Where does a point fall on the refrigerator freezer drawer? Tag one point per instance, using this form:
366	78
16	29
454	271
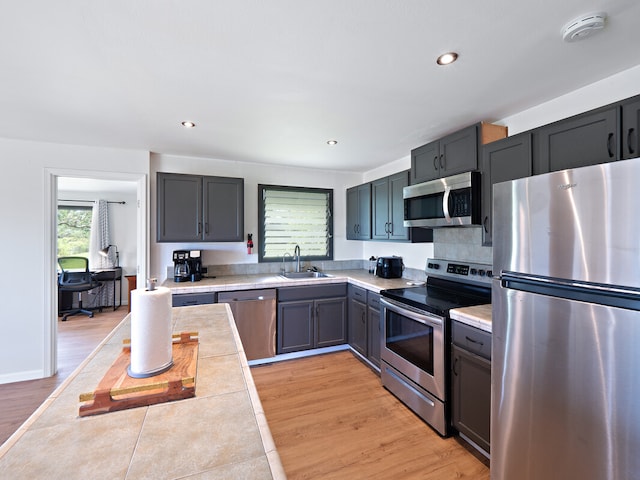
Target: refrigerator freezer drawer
566	405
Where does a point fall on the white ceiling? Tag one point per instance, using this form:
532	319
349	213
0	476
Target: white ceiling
272	81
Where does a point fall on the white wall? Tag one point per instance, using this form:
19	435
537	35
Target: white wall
612	89
253	174
26	313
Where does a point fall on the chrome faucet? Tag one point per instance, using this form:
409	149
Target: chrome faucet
296	254
284	270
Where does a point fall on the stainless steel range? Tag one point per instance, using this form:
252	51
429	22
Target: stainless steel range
416	335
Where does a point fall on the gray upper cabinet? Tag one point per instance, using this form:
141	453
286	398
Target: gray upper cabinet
502	160
179	208
630	128
455	153
359	212
224	209
425	162
587	139
194	208
387	207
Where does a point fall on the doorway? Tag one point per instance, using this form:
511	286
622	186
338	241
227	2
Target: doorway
129	231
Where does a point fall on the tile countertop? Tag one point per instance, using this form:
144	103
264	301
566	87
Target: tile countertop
478	316
361	278
220	433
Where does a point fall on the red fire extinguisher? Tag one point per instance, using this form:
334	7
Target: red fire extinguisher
249	242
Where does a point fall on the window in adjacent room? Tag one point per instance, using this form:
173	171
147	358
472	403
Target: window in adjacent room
74	230
290	216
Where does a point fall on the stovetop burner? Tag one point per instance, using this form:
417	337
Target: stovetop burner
449	285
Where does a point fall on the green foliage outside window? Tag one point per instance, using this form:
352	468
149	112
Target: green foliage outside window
74	229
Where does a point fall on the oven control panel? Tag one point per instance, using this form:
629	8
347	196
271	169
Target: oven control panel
462	271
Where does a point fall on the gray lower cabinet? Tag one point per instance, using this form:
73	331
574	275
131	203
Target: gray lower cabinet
374	328
364	323
188	299
358	319
195	208
311	317
471	383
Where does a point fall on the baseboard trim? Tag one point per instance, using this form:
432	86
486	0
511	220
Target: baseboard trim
293	355
22	376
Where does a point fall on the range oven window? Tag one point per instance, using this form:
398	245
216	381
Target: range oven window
411	340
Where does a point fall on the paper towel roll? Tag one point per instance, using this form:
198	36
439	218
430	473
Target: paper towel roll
151	343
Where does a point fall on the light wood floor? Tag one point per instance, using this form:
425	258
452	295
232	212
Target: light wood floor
331	419
77	338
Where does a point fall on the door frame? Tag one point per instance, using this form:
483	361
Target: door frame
50	289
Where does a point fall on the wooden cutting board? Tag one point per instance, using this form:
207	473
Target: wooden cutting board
118	391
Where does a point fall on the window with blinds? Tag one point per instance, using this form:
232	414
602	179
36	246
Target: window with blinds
290	216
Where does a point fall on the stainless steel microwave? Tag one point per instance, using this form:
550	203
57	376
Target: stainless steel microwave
445	202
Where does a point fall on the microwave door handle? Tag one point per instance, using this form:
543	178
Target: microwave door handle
445	204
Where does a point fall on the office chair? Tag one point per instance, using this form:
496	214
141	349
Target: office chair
76	277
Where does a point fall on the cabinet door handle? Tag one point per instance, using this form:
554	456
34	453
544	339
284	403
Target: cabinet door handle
206	227
442	162
485	223
455	363
630	140
363	319
435	163
473	341
390	232
609	145
199	229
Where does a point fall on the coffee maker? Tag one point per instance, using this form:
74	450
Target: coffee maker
195	265
181	267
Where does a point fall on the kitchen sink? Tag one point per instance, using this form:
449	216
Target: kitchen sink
291	275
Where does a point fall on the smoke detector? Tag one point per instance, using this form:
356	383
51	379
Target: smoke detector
583	26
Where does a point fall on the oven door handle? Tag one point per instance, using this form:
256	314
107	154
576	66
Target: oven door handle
425	319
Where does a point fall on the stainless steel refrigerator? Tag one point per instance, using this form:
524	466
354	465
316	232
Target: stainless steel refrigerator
566	325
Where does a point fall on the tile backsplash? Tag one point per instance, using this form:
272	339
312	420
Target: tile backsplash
461	243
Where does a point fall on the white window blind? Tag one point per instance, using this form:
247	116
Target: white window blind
293	216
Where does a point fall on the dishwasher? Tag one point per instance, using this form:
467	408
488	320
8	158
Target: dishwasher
254	312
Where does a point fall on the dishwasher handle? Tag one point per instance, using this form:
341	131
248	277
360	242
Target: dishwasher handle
240	296
239	300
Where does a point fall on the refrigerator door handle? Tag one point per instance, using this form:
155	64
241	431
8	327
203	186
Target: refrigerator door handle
610	295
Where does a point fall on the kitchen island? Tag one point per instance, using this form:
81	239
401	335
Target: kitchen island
220	433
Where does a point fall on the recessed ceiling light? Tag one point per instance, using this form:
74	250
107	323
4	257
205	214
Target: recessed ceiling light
188	124
331	142
447	58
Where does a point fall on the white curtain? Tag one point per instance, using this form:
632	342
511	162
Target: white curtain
99	240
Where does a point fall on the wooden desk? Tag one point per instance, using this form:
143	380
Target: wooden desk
111	275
